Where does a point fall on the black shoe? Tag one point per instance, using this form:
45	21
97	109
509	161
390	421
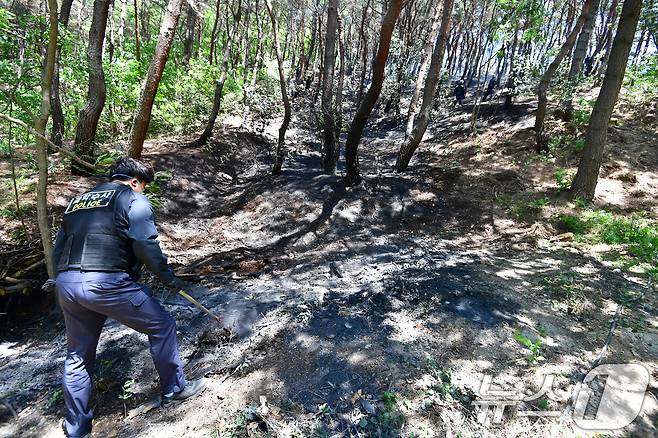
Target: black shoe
192	389
66	434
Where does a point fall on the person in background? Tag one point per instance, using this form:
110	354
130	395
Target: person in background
460	92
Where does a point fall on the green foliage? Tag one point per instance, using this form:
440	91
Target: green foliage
641	78
56	397
571	223
535	347
105	159
567	293
563	179
539	204
637	233
582	113
390	401
544	404
640	234
126	390
153	191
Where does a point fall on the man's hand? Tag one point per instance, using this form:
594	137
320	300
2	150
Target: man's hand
49	286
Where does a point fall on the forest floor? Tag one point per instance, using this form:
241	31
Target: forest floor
375	310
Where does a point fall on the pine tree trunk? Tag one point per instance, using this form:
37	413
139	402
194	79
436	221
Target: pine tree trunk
145	105
422	74
190	25
433	75
278	163
364	53
352	176
138	49
42	151
328	114
584	184
219	85
58	127
608	39
540	138
213	34
85	132
338	101
511	80
580	50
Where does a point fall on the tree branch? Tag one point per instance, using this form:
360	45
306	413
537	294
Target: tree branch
31	130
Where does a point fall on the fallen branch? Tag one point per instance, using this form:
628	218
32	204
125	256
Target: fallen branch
17	288
31	130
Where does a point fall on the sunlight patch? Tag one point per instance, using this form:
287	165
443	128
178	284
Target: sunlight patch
351	212
508	274
405	328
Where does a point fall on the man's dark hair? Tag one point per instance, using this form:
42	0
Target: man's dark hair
125	168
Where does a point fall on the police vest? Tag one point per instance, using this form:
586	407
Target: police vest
93	242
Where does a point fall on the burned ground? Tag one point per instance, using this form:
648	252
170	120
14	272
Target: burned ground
366	311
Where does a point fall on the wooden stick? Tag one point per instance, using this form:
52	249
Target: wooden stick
199	305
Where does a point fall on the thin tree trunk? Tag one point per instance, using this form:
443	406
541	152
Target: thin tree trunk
338	103
138	50
85	132
42	150
254	71
422	74
352	176
122	22
584	184
364	53
541	140
190	25
219	84
580	50
213	35
145	106
58	126
278	163
511	79
608	44
311	46
420	126
329	116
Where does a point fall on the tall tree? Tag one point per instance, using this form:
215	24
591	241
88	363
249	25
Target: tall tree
145	106
420	125
138	47
331	149
584	184
85	132
352	176
42	151
278	162
58	127
542	90
580	51
219	84
422	74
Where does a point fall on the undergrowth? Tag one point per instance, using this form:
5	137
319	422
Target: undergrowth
638	234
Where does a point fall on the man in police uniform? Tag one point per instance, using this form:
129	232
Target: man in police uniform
107	235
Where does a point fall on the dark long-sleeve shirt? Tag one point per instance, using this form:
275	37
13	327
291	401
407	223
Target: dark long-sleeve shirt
135	221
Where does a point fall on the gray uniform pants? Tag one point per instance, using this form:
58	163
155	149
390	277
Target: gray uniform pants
87	299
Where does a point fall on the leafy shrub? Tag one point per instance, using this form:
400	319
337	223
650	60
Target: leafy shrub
563	179
637	232
571	223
